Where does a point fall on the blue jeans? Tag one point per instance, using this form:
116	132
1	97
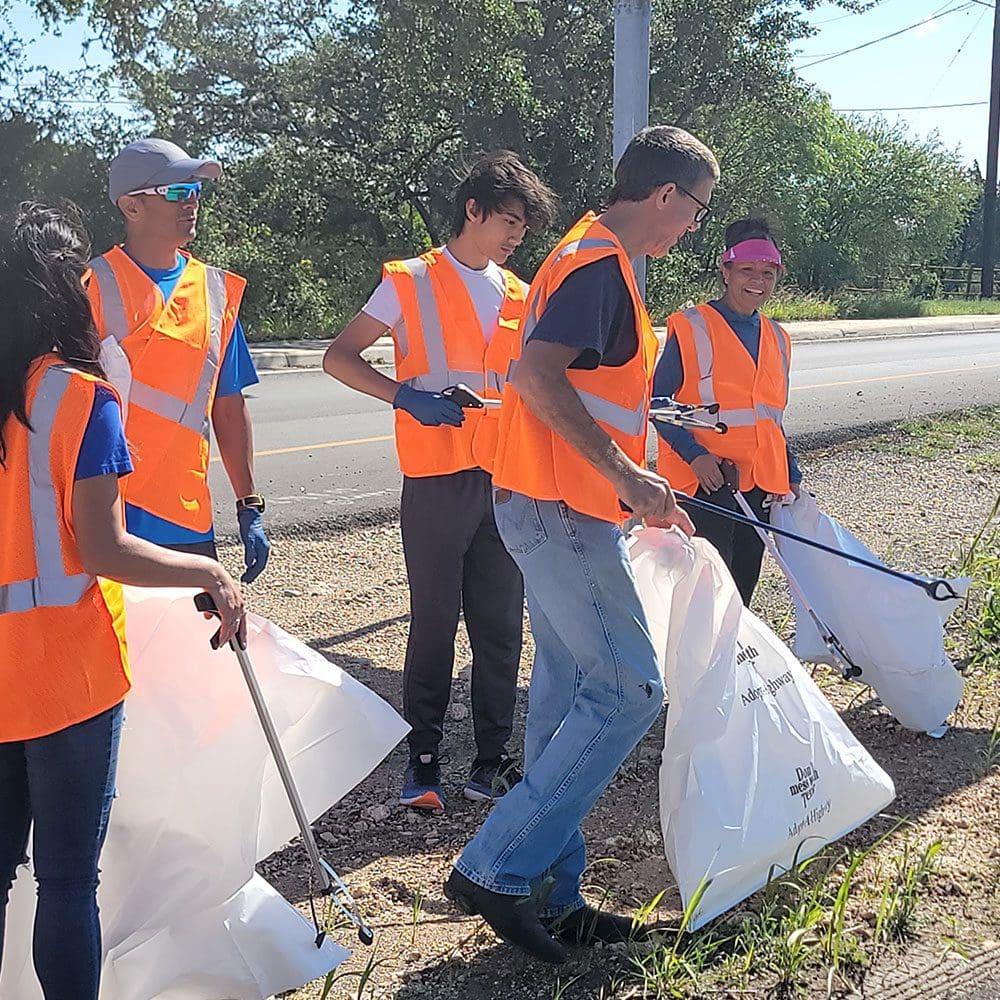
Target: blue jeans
595	691
65	784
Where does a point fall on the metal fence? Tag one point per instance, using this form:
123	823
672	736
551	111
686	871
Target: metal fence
960	281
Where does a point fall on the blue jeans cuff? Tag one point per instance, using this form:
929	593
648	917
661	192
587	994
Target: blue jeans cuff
552	912
483	883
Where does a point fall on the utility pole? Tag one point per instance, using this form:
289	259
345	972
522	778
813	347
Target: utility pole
631	87
992	149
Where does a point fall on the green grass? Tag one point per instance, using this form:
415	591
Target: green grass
932	437
802	927
790	304
988	461
981	561
811	305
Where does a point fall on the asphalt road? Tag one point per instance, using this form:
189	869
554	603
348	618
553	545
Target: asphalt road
324	450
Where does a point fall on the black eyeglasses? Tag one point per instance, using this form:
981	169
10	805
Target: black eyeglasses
702	214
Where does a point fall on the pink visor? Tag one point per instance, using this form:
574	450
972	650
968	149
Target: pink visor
754	250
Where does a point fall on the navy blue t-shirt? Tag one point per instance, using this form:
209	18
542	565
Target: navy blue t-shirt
592	312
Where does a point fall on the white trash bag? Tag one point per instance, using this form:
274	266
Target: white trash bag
892	630
200	801
758	769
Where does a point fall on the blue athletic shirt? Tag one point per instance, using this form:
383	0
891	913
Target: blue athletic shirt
103	450
236	373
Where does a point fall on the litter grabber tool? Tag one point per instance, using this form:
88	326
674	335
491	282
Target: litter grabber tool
330	882
666	411
937	589
469	399
840	655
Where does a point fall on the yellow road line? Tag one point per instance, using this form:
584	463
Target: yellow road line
317	447
795	388
893	378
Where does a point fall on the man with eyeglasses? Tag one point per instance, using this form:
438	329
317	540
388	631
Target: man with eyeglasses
570	461
172	343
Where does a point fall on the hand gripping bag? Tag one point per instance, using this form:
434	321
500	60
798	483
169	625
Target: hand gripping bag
758	769
891	629
184	914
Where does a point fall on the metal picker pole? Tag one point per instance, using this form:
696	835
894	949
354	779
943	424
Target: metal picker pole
281	762
631	86
330	882
847	666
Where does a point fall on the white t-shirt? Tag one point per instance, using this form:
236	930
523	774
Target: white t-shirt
486	288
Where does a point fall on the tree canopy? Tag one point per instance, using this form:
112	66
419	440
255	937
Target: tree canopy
344	126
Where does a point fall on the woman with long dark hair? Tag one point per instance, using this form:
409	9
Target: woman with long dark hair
63	658
728	352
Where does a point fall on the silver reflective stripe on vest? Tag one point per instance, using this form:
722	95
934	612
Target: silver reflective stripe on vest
705	353
774	413
588	243
51	588
194	415
631	422
430	318
733	418
436	381
783	347
112	305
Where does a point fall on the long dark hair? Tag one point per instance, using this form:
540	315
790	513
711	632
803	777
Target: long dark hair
43	260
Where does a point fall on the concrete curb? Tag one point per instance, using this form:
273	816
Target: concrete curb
278	355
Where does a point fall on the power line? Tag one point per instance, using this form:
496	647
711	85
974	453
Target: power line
958	52
918	107
894	34
850	13
855	13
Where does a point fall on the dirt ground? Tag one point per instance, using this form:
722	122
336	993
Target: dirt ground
345	593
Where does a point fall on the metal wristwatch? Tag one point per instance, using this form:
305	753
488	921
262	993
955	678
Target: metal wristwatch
255	501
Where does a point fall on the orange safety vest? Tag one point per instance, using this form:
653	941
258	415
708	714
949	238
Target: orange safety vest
62	631
533	459
439	342
752	399
174	350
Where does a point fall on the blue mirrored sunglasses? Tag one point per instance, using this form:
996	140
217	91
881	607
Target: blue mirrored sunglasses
174	192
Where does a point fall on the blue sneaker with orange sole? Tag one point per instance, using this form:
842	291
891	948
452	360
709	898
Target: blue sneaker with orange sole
422	784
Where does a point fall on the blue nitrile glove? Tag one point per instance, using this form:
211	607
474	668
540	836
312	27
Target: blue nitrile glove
256	547
430	408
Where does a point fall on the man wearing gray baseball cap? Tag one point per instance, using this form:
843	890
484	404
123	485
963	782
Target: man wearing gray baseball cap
149	163
173	345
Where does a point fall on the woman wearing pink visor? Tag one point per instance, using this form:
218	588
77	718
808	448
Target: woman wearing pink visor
726	352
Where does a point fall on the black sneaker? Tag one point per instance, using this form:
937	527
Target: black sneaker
492	779
422	784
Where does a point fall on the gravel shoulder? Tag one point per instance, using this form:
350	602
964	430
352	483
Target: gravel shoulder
344	592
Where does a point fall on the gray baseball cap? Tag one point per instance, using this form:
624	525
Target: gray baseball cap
153	163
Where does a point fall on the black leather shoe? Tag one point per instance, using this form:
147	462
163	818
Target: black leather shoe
512	918
587	925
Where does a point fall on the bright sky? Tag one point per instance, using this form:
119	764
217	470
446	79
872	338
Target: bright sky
944	60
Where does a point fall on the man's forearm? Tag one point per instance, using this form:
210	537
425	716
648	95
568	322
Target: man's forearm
234	435
551	397
351	369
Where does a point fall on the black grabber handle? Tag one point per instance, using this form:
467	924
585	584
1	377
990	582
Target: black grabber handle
205	603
